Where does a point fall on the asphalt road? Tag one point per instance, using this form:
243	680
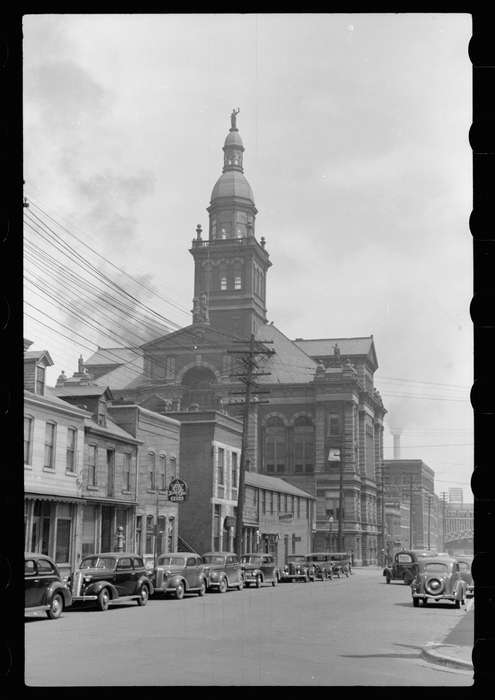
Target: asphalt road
354	631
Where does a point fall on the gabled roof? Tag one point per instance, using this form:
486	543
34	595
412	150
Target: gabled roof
51	400
272	483
82	390
111	429
289	364
123	377
194	334
324	347
39	355
112	356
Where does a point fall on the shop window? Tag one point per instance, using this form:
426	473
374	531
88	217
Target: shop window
71	449
50	431
171	534
62	550
88	530
28	438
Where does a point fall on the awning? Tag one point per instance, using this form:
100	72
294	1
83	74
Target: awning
53	497
109	501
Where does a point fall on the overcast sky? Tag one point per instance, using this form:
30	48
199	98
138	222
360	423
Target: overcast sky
355	129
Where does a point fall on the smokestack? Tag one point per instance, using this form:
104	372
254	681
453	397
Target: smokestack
396	445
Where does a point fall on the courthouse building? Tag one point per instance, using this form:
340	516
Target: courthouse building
324	416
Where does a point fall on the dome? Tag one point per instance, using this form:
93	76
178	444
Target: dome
233	138
232	183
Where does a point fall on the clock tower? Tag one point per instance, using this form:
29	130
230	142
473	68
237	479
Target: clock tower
231	265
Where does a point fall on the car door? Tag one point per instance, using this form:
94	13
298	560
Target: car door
191	572
125	576
267	567
233	570
47	574
31	583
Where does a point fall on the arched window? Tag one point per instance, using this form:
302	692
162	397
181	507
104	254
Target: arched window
304	445
275	446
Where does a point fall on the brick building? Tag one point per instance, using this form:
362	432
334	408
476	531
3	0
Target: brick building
324	417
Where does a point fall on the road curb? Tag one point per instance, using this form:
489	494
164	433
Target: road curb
439	653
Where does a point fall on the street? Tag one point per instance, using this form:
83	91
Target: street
349	631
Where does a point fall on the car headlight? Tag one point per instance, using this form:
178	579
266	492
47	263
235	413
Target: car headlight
87	579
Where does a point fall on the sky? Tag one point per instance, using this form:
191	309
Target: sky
356	135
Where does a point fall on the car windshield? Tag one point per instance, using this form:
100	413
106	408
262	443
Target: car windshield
213	559
171	561
246	559
98	563
436	567
404	558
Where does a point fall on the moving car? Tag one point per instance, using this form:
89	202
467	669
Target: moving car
112	577
179	573
405	565
297	568
438	578
465	563
322	563
44	589
341	564
223	571
259	568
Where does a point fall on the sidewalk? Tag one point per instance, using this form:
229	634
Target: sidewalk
456	649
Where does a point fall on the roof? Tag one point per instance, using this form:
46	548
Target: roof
38	355
112	356
233	138
123	377
81	390
272	483
324	347
289	364
111	429
232	183
52	400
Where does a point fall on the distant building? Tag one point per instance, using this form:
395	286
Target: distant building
456	495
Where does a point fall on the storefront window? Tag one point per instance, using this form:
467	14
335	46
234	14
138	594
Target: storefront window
62	551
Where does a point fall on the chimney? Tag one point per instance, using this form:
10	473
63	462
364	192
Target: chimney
396	445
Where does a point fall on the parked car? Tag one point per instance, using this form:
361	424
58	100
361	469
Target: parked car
465	563
438	578
297	568
223	571
404	565
179	573
149	564
44	589
322	563
108	578
259	568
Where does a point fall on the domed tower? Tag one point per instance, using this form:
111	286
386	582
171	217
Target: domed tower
231	266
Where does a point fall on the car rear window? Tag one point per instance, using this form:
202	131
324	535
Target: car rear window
29	566
45	567
171	561
125	563
138	563
250	560
404	558
213	559
436	567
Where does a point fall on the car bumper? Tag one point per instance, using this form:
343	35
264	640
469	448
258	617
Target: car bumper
448	596
83	598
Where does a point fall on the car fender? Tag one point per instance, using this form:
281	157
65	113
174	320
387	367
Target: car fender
95	588
387	571
57	587
174	580
144	580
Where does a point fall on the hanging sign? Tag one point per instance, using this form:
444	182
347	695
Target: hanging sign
334	454
177	491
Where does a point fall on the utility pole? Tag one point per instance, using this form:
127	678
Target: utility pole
341	505
429	512
444	501
248	379
383	516
410	512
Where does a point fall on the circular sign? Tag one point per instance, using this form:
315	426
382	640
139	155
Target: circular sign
177	491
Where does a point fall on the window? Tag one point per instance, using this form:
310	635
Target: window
220	465
101	413
237	282
279	503
126	472
149	534
223	283
28	436
110	472
333	424
173	467
170	367
271	502
234	470
275	445
92	480
163	473
298	506
139	525
40	380
216	527
303	445
71	449
152	469
285	502
263	502
50	429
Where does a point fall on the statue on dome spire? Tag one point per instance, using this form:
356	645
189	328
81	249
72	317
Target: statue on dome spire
233	118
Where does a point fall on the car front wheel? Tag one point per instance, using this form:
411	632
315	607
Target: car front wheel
258	582
202	589
179	591
56	607
143	595
103	599
222	588
241	584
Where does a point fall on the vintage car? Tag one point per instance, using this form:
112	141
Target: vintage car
465	563
405	565
322	563
178	573
44	590
297	568
341	564
109	578
223	571
259	568
438	578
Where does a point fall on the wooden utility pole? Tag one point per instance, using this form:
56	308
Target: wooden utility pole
429	512
341	506
410	512
248	378
444	502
